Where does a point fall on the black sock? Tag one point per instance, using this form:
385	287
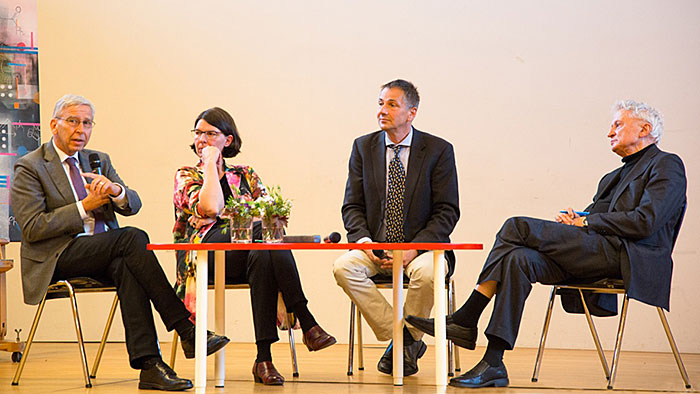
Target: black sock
306	319
494	351
407	337
264	353
146	362
184	329
468	315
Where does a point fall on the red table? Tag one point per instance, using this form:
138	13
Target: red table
397	280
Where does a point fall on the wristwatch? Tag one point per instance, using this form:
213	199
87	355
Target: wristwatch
585	221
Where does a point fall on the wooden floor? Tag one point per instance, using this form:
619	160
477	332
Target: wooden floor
54	368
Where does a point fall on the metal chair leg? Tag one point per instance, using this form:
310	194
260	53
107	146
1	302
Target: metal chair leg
450	345
78	332
360	354
674	348
30	340
173	349
618	343
351	338
543	338
292	348
105	335
452	305
596	339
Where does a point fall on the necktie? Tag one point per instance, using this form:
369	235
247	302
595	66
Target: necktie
394	205
79	187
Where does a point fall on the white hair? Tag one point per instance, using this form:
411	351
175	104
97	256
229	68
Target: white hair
70	100
645	112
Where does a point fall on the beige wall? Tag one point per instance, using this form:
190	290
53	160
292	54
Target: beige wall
522	90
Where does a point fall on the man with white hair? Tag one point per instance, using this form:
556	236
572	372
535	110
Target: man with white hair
626	233
69	229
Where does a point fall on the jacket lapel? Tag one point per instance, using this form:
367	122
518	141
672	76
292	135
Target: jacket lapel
53	166
379	164
636	171
415	165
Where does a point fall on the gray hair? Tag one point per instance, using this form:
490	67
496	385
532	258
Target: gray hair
645	112
70	100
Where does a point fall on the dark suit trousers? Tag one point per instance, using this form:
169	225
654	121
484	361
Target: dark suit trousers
119	256
529	250
267	272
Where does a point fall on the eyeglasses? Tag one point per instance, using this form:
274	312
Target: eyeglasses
211	134
75	122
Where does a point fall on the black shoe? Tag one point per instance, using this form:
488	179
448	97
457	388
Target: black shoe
160	376
461	336
214	344
411	354
482	375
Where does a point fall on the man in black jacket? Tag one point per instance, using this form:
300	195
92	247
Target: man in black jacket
627	232
402	187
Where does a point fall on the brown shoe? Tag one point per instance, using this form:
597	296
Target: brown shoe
266	373
316	339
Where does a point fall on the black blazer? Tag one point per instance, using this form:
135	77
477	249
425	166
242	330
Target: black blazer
645	213
431	200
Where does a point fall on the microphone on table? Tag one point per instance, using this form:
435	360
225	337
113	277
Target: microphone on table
95	163
333	237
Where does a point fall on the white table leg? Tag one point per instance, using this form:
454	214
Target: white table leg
200	348
440	312
220	314
397	284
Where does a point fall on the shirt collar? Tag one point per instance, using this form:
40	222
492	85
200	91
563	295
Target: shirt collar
405	142
62	155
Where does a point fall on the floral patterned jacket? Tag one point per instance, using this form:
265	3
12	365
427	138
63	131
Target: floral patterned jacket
188	184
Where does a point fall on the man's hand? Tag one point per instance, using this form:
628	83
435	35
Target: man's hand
376	260
101	185
569	217
408	256
94	200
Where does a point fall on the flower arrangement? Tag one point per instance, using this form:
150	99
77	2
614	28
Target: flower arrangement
272	208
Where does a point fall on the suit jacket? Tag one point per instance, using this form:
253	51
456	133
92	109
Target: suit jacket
431	200
44	206
645	213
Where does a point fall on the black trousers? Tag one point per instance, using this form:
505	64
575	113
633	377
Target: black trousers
119	256
529	250
267	272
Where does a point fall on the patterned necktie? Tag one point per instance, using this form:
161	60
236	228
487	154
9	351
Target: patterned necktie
394	205
79	187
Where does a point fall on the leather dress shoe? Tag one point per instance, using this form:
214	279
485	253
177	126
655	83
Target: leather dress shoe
266	373
160	376
411	354
316	339
214	344
461	336
482	375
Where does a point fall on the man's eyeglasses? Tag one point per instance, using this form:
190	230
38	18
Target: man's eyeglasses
210	134
75	122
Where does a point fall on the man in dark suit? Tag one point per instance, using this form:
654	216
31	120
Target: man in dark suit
627	232
69	229
401	187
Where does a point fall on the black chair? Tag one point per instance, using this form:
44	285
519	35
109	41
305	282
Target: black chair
385	282
608	286
68	289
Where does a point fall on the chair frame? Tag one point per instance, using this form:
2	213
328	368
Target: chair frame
290	318
53	292
452	351
607	287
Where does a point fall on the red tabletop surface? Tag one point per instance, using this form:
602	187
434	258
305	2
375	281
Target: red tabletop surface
315	246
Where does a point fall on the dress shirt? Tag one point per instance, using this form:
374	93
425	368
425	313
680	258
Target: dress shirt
88	218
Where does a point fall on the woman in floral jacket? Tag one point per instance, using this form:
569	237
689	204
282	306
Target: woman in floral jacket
200	195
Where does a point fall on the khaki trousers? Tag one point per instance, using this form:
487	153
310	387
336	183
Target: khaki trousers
352	272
